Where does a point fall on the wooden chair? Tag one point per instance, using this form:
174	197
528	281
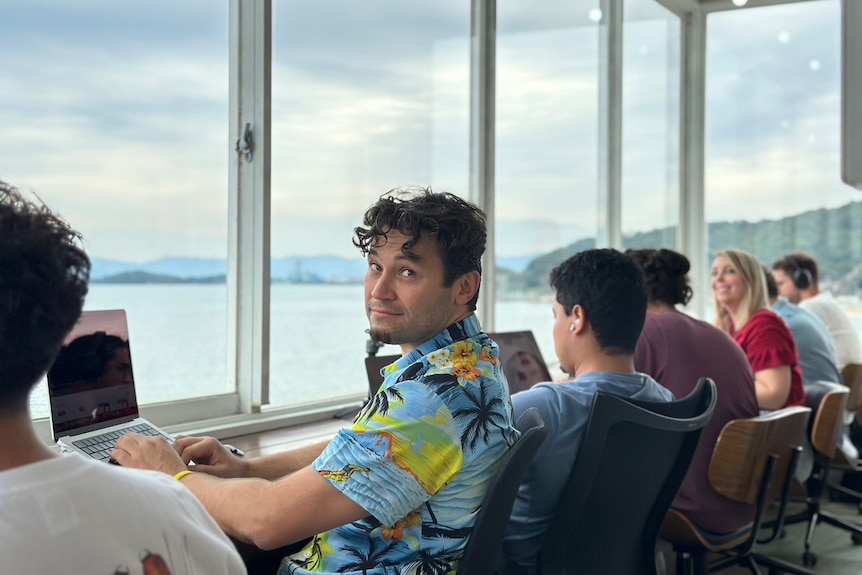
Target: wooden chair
852	376
753	462
829	400
632	460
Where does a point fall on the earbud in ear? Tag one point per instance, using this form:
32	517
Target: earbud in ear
574	326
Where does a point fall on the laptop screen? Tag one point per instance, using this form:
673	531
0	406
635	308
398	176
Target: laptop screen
91	383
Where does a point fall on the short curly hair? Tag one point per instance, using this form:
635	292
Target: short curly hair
44	276
666	274
457	225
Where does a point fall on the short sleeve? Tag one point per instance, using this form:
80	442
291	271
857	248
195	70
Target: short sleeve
770	344
398	453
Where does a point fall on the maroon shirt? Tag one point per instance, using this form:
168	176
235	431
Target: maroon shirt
768	343
677	351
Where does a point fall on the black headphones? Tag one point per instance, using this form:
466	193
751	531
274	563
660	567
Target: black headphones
801	277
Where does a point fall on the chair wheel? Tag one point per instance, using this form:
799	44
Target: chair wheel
857	538
809	559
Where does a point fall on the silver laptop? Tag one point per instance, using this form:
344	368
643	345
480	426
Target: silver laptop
91	387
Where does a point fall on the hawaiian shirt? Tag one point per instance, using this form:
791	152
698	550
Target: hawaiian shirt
419	458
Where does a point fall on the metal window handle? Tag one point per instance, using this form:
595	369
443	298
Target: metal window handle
245	145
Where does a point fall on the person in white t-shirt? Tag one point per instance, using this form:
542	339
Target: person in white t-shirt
798	279
70	514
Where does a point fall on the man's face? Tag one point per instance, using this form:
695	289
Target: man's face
119	369
786	288
405	300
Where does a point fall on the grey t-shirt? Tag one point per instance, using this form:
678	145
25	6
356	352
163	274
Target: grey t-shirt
565	407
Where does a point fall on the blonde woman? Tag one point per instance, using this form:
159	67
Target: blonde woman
742	310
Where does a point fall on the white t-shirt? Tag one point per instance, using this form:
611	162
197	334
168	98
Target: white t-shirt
844	336
71	514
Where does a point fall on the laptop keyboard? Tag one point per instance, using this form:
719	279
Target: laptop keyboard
100	446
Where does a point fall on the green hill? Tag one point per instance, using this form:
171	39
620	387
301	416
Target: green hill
832	236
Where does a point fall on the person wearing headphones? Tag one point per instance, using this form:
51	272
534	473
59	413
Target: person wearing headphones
798	281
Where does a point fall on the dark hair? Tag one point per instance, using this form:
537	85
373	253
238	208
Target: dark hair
43	281
457	225
665	273
771	286
85	359
799	265
610	287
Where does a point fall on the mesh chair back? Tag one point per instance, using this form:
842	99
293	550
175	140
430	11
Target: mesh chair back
482	556
632	460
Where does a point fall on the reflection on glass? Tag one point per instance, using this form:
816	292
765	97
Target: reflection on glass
361	104
547	152
650	153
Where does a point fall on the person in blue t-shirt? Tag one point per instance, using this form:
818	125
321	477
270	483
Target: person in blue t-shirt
599	311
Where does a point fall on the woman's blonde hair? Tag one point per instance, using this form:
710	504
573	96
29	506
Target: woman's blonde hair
751	271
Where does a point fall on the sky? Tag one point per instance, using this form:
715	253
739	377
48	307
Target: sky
116	115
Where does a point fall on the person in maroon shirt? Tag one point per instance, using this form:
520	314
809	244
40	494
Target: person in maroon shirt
677	350
742	310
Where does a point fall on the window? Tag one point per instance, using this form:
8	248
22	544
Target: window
116	115
773	177
362	103
547	153
650	153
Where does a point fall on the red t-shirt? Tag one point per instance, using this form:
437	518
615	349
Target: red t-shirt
768	343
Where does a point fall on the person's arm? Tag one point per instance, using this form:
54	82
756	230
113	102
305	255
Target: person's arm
266	513
211	457
772	386
273	514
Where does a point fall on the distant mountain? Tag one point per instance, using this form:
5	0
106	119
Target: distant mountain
148	278
829	235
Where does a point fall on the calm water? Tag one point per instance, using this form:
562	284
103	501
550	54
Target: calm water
179	342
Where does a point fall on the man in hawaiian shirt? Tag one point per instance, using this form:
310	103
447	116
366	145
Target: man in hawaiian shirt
398	491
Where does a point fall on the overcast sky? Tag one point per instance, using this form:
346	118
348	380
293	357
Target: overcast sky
116	114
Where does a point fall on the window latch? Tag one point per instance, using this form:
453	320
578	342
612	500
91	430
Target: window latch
245	145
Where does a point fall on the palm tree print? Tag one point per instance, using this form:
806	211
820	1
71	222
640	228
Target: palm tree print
369	558
380	403
431	564
483	412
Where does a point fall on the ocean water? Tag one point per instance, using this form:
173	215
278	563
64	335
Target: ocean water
178	339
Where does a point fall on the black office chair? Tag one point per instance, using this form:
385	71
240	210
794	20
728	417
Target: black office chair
632	461
482	555
828	400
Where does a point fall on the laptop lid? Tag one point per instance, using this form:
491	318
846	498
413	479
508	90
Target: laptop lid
520	357
91	383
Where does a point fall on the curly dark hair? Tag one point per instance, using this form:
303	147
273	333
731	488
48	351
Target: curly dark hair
610	287
457	225
666	275
44	276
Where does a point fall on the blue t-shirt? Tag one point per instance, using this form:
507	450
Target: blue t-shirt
565	407
419	458
816	352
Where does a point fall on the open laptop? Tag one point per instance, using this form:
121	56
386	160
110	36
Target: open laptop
91	387
520	357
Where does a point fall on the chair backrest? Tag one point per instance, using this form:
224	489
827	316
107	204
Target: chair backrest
828	400
632	460
852	376
482	556
741	452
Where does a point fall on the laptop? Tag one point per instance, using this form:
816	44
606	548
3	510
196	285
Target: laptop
91	387
520	357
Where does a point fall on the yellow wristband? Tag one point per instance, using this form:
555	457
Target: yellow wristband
179	476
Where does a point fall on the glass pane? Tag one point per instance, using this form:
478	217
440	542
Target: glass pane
773	178
547	153
366	97
116	115
650	155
